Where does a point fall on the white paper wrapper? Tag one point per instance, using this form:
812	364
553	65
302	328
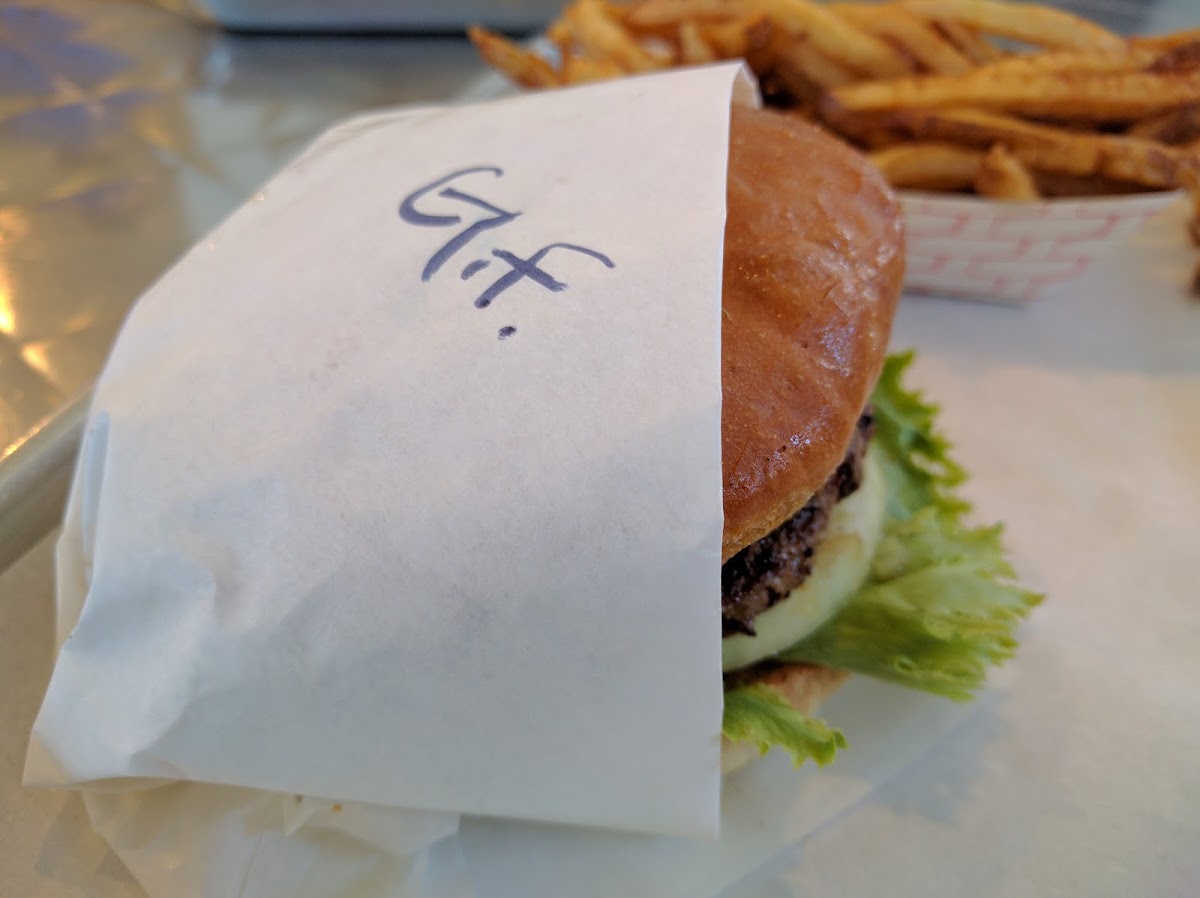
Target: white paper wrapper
975	248
195	841
421	510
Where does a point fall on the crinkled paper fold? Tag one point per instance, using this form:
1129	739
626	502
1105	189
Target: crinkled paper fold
403	488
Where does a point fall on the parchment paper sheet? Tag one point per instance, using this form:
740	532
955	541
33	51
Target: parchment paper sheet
404	487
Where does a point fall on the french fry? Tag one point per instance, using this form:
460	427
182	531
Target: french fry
836	38
738	38
1166	41
931	89
1146	163
1025	22
558	33
804	58
1001	176
929	166
602	37
970	42
917	37
1180	58
1103	96
783	81
1061	184
693	48
1077	62
1053	149
762	58
521	66
652	13
785	84
582	69
1180	127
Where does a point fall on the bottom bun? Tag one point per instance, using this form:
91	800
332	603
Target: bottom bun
805	686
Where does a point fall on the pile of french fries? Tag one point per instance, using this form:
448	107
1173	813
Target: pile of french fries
1003	99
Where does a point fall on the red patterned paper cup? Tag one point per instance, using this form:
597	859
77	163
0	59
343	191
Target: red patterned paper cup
975	248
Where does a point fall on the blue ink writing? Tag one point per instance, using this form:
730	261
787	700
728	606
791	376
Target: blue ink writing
473	268
519	267
410	213
528	268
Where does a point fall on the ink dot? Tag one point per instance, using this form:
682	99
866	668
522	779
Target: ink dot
507	331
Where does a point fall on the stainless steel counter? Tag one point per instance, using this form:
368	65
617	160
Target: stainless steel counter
126	132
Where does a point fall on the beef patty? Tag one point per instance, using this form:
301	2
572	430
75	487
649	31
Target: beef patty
768	569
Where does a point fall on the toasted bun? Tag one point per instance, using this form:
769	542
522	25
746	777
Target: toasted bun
813	267
805	686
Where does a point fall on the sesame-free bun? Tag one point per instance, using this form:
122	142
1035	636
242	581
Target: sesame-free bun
813	267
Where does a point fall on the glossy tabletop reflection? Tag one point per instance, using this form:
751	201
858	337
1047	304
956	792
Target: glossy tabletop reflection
127	131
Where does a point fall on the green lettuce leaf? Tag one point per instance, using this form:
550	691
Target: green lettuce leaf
939	605
759	714
915	458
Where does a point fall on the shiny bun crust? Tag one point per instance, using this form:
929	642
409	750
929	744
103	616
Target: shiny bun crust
813	267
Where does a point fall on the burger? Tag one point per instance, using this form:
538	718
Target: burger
844	547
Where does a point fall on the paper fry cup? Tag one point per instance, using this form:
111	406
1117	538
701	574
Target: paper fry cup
974	248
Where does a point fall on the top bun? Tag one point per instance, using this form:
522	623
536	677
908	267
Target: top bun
813	268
